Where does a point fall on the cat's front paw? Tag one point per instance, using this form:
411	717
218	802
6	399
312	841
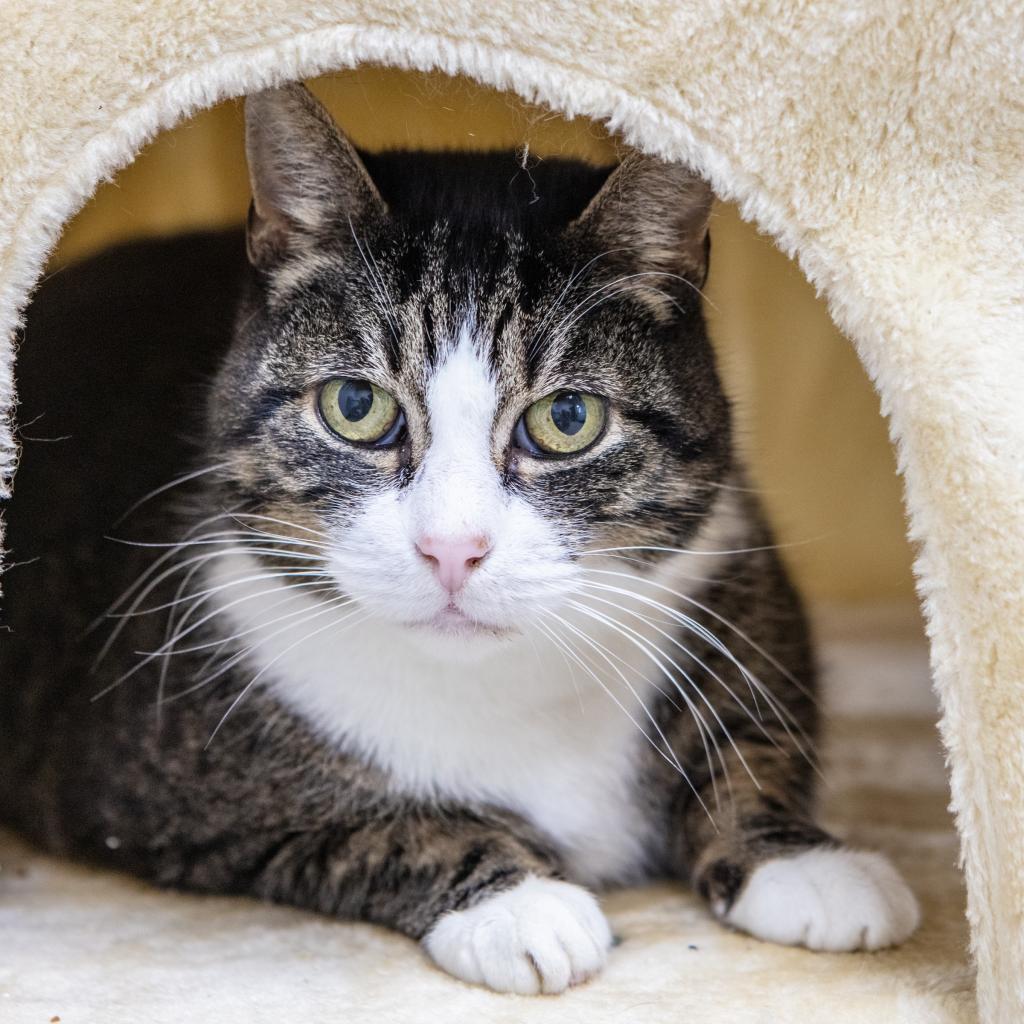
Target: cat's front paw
827	899
539	936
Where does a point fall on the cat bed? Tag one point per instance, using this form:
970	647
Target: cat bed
93	946
881	144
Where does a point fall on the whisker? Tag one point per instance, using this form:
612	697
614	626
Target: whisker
774	662
681	618
142	577
220	537
170	643
252	682
280	522
676	621
378	286
610	290
639	640
288	571
168	486
655	654
335	604
600	649
168	631
693	551
568	664
670	757
541	333
566	646
202	680
314	586
783	715
567	325
122	617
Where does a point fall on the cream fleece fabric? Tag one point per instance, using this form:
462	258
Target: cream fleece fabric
94	948
880	141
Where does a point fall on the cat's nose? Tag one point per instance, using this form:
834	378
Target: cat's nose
453	558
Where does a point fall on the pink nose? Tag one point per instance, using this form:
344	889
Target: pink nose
453	558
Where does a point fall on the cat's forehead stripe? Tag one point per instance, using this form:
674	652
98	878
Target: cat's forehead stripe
432	333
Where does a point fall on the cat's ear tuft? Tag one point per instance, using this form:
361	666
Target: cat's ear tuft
308	182
656	213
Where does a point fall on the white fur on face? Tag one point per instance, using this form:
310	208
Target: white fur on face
457	492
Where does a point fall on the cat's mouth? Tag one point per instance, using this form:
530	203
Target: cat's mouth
452	621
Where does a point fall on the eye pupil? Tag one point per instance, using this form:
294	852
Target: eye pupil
562	423
355	399
360	412
569	412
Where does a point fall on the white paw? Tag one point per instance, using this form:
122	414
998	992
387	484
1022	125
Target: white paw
828	899
540	936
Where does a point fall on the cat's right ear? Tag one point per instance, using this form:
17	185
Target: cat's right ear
658	213
308	183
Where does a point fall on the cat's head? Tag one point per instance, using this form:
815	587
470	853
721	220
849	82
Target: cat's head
457	374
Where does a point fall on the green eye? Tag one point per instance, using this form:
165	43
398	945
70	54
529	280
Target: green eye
564	422
359	411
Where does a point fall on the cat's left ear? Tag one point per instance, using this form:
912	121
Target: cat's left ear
308	183
656	214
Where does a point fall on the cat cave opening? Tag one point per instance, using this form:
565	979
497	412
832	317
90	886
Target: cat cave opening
143	291
145	287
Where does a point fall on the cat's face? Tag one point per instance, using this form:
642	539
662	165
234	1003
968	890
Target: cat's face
453	390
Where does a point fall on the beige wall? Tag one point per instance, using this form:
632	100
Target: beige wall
808	417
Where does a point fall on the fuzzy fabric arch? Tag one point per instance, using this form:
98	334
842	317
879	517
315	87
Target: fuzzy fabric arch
881	142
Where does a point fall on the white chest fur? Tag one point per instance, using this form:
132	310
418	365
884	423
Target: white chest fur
518	728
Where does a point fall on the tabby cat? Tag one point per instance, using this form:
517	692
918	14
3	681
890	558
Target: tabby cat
448	602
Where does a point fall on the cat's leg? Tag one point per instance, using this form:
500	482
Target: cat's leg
766	868
747	839
480	893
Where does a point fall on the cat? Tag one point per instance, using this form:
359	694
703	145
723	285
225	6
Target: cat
460	606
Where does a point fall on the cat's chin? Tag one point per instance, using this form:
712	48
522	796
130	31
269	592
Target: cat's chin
455	635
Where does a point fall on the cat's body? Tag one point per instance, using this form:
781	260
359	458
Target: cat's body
449	706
